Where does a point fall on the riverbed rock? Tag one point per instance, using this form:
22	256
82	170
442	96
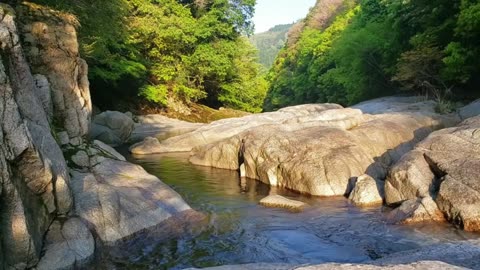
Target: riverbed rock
459	255
471	110
111	127
278	201
118	199
321	157
226	128
453	157
160	127
367	191
415	211
67	246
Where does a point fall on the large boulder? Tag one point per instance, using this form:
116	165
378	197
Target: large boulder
445	166
226	128
118	199
111	127
160	127
367	191
320	157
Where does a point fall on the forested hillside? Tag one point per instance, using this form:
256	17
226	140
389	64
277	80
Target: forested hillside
269	43
166	51
348	51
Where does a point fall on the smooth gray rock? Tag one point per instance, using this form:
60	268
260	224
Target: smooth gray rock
471	110
108	150
367	191
226	128
320	157
160	127
278	201
119	199
111	127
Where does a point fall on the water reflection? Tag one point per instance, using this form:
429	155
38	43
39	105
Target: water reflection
241	231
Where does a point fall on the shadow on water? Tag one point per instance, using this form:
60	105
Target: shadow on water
241	231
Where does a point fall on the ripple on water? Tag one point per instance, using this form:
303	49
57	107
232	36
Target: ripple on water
241	231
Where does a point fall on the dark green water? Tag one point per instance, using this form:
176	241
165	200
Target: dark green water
241	231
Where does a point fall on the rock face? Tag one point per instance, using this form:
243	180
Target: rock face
34	175
160	127
110	127
50	43
318	153
446	167
39	226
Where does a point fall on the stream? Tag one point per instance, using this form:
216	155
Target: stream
239	230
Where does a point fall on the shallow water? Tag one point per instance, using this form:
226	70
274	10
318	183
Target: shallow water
241	231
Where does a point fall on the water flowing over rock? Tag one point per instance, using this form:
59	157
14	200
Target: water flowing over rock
445	166
321	152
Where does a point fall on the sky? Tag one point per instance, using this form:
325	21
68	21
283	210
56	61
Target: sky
269	13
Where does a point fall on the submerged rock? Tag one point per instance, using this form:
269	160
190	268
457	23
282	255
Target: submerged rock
277	201
445	166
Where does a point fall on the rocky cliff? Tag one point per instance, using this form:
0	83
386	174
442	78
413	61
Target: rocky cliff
61	196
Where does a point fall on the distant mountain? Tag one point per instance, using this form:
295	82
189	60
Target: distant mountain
270	43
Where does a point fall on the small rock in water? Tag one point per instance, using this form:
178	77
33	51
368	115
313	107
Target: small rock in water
278	201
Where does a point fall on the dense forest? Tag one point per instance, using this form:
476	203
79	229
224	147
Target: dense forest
348	51
164	51
158	53
269	43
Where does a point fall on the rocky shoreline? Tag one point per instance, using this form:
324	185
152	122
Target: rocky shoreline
67	197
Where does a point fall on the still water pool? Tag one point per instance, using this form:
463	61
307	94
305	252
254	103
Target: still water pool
241	231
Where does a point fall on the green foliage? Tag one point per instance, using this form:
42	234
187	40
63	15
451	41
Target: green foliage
382	47
160	49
